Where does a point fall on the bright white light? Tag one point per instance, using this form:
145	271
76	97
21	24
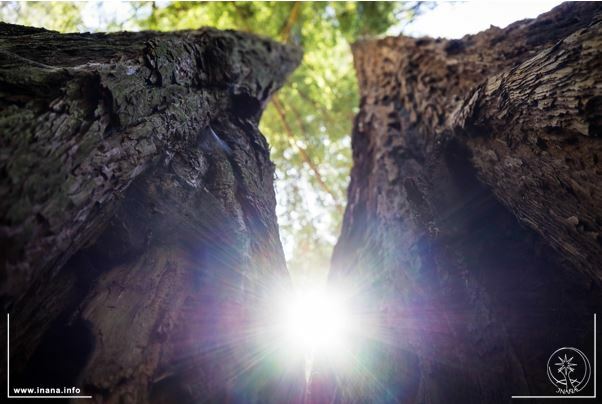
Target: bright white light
315	322
454	19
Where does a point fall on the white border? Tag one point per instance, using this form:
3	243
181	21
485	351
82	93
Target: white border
595	376
8	369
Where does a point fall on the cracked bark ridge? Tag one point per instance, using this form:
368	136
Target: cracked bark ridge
137	208
473	215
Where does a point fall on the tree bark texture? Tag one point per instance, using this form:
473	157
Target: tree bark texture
137	209
474	216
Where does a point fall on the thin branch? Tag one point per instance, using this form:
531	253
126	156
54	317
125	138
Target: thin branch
290	22
300	122
284	36
303	152
322	111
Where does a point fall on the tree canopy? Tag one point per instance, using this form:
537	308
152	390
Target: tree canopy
307	123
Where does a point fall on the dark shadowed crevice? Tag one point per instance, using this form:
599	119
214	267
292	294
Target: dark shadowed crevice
60	358
245	106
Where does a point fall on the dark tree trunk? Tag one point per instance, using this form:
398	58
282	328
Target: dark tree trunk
138	223
474	217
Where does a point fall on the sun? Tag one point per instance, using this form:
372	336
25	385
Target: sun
315	321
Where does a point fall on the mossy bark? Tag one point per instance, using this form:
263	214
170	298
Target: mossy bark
138	225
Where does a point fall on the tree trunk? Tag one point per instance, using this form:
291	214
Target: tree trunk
138	225
474	211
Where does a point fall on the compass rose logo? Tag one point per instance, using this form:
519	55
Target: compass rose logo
569	370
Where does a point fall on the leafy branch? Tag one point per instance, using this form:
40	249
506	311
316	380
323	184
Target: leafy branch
303	152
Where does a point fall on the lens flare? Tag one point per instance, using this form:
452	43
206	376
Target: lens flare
315	322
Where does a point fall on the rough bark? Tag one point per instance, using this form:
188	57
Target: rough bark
543	118
138	223
473	219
